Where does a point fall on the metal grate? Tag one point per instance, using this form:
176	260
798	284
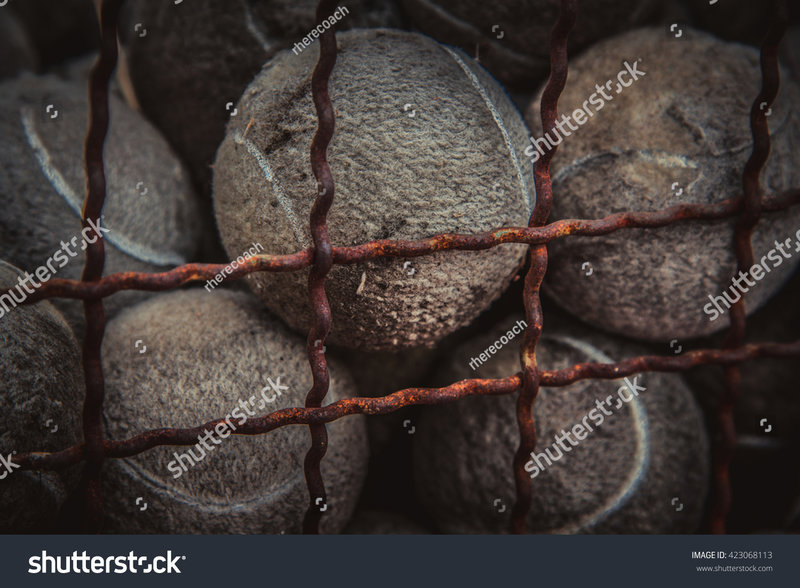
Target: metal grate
93	288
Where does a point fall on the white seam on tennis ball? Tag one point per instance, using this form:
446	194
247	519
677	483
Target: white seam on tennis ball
220	506
662	158
641	459
526	194
253	29
276	187
61	186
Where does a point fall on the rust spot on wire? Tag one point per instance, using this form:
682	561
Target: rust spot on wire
323	260
93	288
416	397
193	272
538	268
751	213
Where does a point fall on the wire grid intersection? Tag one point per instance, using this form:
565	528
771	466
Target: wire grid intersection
322	256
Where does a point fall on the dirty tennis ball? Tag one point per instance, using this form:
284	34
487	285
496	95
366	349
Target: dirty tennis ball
150	208
15	47
620	477
188	62
680	134
203	356
514	36
440	152
40	405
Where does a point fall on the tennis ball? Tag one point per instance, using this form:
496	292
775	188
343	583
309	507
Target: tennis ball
679	134
437	153
149	216
59	28
202	356
40	405
633	446
15	46
514	36
195	60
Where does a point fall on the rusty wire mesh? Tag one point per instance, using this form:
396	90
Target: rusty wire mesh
93	288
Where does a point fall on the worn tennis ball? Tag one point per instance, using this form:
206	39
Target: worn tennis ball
643	445
203	356
59	28
15	47
513	37
40	405
190	63
438	152
150	213
679	134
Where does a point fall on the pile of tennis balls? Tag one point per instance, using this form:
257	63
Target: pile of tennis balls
209	141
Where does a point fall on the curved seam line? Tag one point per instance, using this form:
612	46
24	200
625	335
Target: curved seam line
61	186
276	188
498	121
641	460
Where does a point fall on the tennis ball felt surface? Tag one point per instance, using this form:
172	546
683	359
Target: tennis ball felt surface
620	478
679	134
40	368
437	152
206	352
150	208
197	57
517	32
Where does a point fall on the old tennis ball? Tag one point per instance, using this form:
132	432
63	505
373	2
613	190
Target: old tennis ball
40	404
440	151
678	134
513	37
205	356
190	63
612	455
150	220
15	47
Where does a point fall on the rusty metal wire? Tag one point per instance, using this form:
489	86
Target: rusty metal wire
320	258
743	246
